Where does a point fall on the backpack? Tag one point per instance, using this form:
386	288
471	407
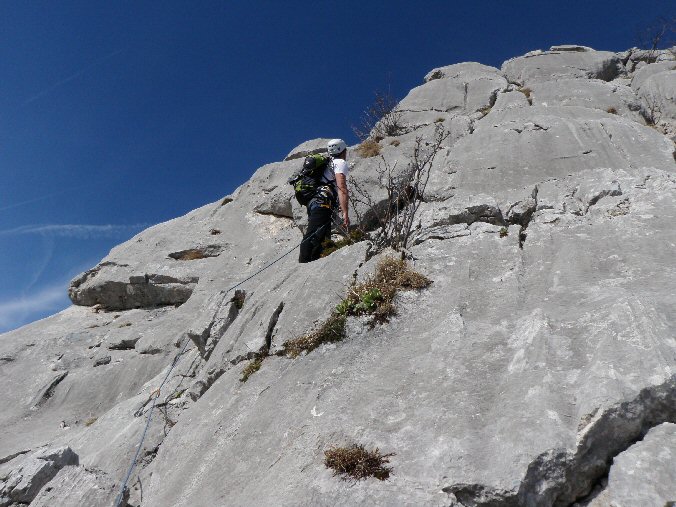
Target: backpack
309	178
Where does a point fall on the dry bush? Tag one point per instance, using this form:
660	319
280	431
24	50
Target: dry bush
395	142
332	330
394	216
660	33
90	421
611	110
357	463
368	148
380	120
251	368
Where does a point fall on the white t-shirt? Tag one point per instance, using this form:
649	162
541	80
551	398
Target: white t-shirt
337	166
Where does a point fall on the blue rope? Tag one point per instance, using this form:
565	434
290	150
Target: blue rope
156	393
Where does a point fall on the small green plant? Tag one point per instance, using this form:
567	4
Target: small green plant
504	232
357	463
176	395
374	296
332	330
329	246
251	368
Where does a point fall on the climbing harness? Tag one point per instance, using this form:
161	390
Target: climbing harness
156	393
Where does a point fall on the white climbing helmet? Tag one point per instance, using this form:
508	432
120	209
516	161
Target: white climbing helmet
336	146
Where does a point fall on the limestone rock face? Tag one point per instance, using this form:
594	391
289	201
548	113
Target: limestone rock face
547	230
566	64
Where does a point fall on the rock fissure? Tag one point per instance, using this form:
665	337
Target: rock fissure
48	391
560	477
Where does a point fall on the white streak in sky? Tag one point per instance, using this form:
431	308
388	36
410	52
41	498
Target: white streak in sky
70	78
15	312
79	231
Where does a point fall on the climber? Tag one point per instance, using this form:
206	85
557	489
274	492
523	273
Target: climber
321	206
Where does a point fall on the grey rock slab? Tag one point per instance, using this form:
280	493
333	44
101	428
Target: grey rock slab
308	148
75	486
509	100
520	147
464	94
644	474
511	343
32	472
571	47
594	94
466	71
646	71
553	65
658	94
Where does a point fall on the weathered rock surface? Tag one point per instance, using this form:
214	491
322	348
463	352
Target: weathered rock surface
24	476
552	65
644	474
75	486
547	229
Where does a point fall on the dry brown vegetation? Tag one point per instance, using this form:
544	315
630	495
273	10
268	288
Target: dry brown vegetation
611	110
368	148
374	296
357	463
332	330
188	255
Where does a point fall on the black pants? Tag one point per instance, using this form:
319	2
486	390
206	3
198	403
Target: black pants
318	229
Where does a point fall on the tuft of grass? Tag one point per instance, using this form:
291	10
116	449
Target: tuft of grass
375	295
357	463
251	368
331	330
439	120
504	232
213	232
369	148
329	246
90	421
395	142
126	324
611	110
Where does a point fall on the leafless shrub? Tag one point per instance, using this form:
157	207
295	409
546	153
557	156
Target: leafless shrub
659	34
393	217
380	120
357	463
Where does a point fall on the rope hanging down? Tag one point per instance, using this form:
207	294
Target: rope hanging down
156	393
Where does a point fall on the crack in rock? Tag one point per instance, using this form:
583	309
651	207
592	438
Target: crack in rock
202	252
48	390
559	477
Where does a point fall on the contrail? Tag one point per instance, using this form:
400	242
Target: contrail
71	77
42	198
82	231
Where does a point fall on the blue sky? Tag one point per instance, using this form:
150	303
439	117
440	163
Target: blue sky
118	115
